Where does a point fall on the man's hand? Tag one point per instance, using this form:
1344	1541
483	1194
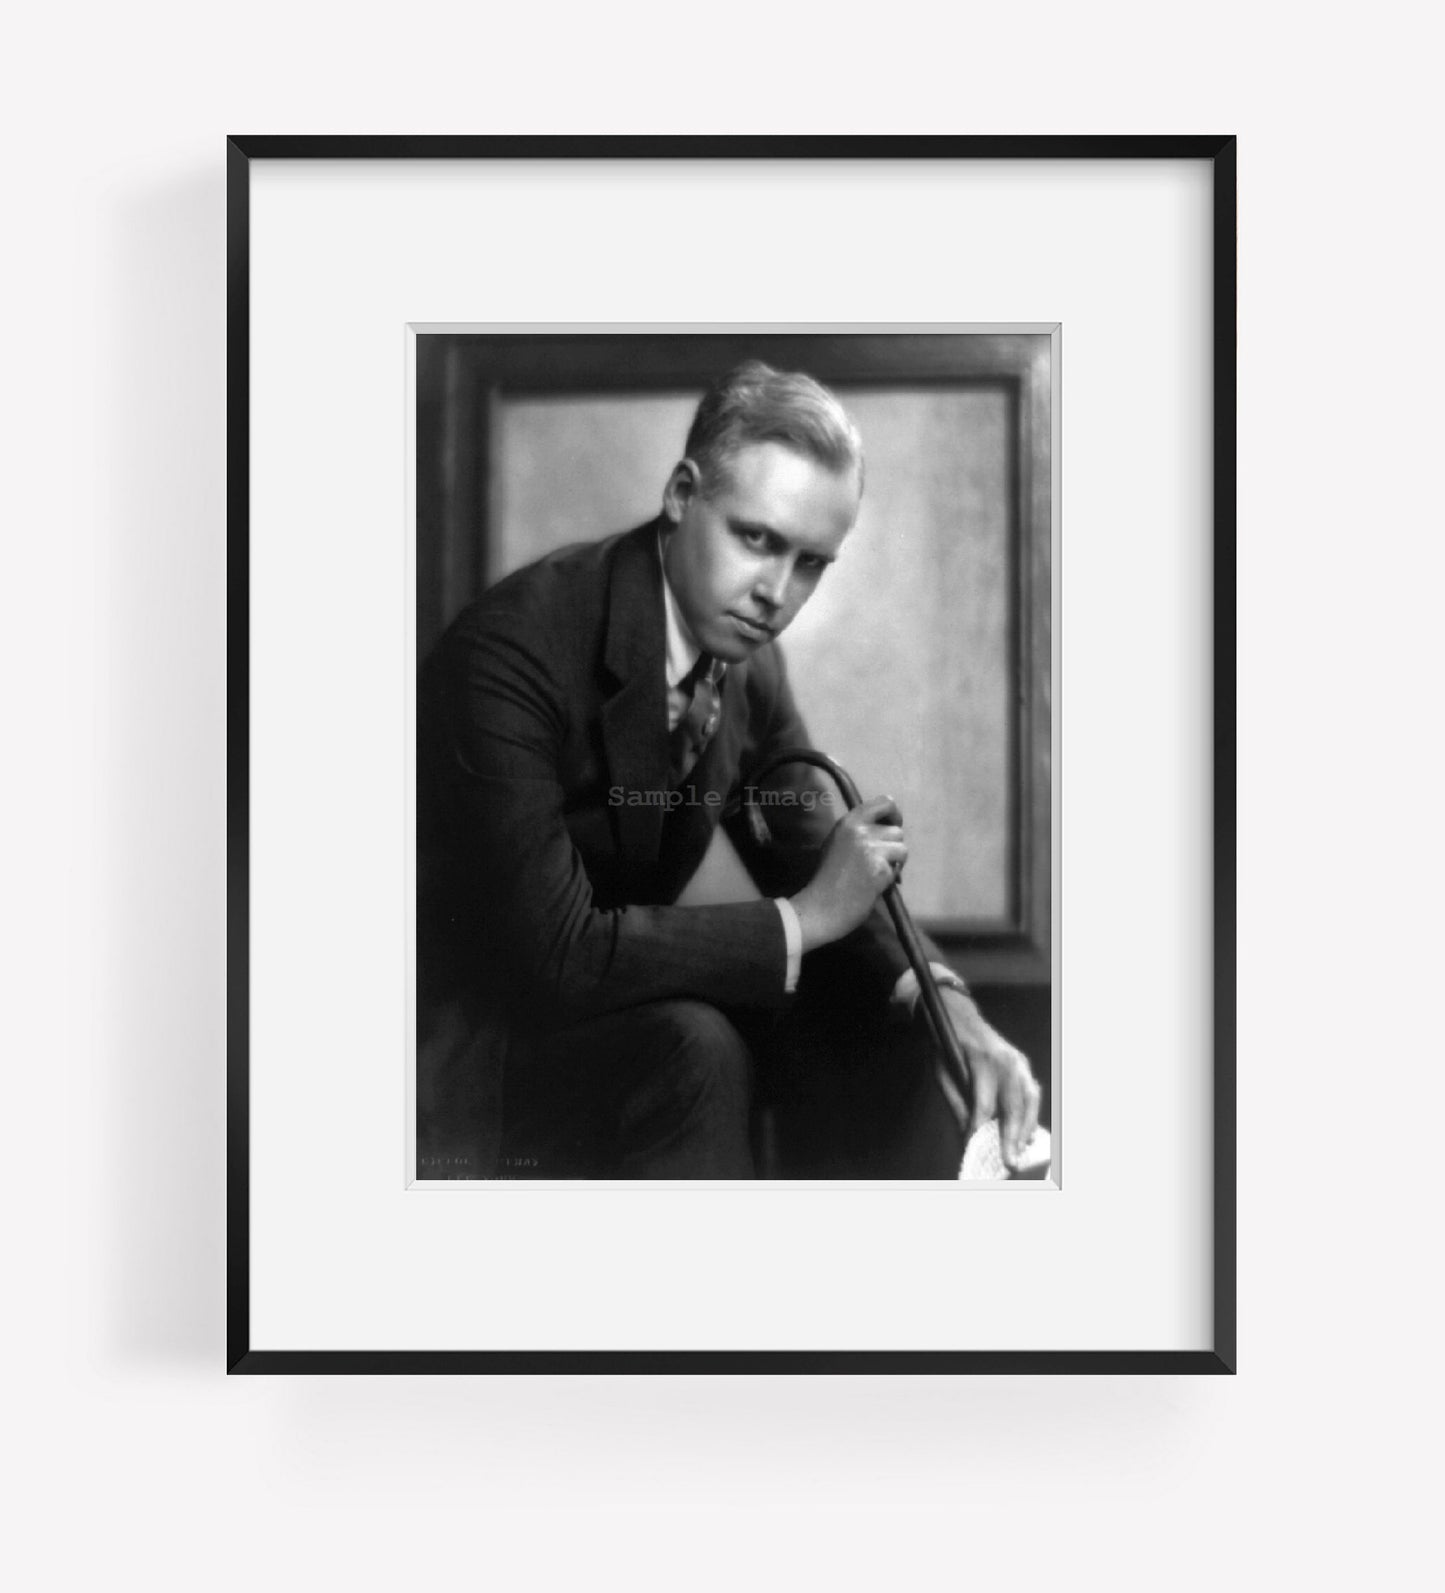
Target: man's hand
1003	1083
860	861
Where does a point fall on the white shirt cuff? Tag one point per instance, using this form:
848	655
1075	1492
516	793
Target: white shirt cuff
793	934
905	992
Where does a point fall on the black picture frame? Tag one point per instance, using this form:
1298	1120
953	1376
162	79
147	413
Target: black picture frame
1221	153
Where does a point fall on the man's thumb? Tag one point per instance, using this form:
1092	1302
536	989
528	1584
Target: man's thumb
985	1096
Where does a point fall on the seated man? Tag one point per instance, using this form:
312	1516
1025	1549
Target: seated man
592	1001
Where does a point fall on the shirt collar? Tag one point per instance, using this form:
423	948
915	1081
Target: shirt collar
682	650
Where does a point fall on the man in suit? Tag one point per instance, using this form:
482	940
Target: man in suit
618	956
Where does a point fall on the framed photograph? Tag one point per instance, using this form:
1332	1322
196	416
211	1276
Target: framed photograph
616	985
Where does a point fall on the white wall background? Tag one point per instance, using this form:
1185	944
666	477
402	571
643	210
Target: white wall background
132	1459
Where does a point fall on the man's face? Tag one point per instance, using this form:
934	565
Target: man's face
743	561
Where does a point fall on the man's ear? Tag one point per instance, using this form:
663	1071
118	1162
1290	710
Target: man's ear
682	487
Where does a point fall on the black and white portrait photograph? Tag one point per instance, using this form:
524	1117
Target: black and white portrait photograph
696	701
734	772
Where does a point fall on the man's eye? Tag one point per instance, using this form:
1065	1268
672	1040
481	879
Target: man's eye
812	564
755	539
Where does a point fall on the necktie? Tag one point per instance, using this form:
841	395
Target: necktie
700	719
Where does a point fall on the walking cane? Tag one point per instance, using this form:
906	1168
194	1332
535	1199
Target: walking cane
949	1050
982	1157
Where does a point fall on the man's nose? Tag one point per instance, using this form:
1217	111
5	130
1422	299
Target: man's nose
771	586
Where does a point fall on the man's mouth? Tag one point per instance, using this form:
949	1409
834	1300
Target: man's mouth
759	629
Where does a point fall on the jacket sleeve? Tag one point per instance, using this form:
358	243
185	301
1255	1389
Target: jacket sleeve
502	722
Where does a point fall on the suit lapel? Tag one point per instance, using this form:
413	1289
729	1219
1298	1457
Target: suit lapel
634	716
634	728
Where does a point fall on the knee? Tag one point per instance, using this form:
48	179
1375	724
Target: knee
700	1050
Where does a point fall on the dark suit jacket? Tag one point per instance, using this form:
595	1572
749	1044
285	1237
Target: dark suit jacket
545	886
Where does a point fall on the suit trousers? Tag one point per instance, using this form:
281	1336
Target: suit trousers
681	1089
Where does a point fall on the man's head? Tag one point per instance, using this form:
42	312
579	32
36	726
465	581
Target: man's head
759	507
